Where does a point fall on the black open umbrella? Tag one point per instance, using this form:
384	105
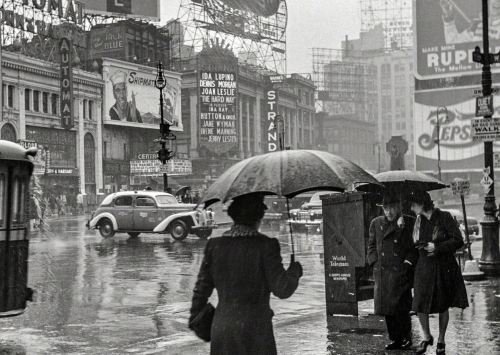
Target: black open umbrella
287	173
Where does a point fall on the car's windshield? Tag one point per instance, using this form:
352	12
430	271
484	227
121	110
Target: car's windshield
107	200
166	200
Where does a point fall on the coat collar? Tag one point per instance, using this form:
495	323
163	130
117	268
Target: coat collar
388	227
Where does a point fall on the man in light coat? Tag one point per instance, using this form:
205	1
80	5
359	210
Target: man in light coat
392	254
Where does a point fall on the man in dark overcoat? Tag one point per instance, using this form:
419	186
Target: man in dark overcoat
392	254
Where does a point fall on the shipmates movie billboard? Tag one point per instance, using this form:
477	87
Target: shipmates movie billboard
456	108
144	9
447	31
132	99
218	93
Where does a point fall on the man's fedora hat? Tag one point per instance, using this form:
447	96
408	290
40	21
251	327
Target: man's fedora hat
388	199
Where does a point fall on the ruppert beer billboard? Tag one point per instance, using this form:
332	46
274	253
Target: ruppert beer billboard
131	98
149	9
447	31
458	151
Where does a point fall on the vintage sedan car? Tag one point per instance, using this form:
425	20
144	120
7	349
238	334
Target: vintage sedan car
136	212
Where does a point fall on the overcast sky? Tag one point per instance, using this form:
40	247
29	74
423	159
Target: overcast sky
311	23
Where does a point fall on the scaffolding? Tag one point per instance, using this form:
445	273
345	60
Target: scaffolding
345	83
396	19
258	42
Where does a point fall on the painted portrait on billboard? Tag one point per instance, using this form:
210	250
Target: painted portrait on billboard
455	109
131	98
447	31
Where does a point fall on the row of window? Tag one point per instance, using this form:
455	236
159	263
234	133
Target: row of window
45	102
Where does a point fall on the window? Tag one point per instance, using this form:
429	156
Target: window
27	98
54	99
145	202
105	149
166	200
45	102
85	106
91	108
123	201
18	200
36	100
10	97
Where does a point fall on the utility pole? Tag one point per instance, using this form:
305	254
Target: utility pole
438	139
490	257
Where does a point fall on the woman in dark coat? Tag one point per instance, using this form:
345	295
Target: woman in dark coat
244	267
438	283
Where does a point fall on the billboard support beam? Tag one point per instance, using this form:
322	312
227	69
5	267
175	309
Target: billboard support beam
490	257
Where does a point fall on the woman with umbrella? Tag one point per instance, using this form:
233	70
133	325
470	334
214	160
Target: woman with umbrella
438	283
244	266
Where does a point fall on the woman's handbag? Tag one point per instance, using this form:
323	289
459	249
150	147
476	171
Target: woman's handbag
202	323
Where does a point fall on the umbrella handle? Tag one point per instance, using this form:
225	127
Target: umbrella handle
290	228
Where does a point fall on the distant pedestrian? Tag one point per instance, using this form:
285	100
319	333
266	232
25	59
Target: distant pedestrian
60	206
438	281
244	266
392	254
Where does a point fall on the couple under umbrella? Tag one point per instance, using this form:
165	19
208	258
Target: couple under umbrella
245	266
414	251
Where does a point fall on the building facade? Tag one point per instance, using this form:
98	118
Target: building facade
68	158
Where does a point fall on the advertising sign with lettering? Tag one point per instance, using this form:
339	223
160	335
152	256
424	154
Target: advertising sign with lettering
484	106
153	167
486	129
447	31
145	9
459	152
65	49
41	161
271	139
131	98
218	111
107	41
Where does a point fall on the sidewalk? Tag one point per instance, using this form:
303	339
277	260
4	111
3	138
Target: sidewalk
305	329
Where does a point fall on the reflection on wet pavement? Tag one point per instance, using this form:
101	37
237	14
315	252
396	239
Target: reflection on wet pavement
132	295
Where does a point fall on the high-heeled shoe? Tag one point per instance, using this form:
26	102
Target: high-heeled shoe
440	348
422	347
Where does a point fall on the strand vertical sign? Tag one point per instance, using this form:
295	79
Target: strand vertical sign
271	113
66	84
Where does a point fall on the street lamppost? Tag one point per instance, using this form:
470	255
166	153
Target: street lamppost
490	257
164	154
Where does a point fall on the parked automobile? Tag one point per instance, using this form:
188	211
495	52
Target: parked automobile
136	212
472	223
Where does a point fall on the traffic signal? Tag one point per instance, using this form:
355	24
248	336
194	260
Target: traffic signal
163	155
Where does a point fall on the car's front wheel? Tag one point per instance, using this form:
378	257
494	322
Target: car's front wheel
106	228
203	234
178	229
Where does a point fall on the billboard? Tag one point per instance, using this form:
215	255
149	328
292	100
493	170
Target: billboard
218	93
131	98
107	42
66	83
259	7
459	152
144	9
271	133
447	31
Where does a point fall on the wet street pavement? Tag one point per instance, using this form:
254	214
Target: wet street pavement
132	295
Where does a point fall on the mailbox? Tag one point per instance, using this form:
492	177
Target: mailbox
346	222
16	168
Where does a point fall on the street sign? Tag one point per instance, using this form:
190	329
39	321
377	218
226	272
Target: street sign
484	106
478	92
485	129
460	187
486	181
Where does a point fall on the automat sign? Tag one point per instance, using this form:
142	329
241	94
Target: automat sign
66	84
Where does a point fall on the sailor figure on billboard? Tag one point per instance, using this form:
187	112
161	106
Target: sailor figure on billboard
123	110
474	33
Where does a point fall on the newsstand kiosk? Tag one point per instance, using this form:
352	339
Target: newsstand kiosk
348	278
16	168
